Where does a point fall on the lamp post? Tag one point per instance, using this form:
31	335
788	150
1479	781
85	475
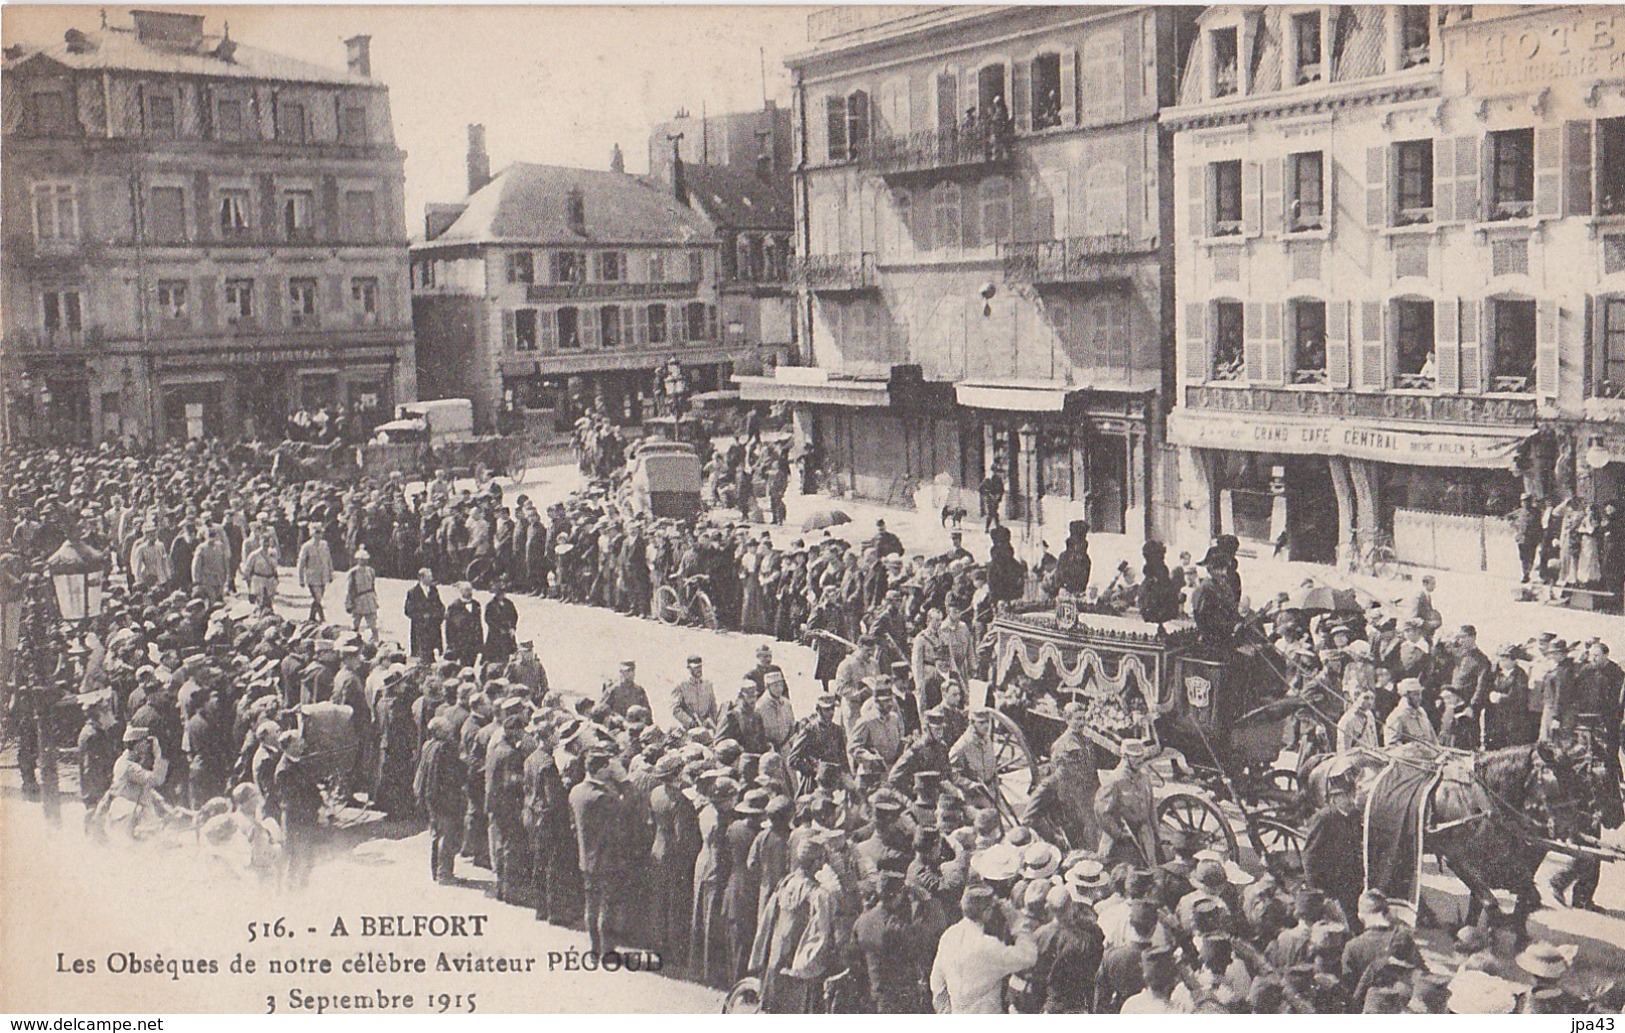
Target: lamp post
76	575
676	386
1028	437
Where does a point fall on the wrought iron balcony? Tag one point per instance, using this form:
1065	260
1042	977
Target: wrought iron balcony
1073	260
619	290
832	274
980	146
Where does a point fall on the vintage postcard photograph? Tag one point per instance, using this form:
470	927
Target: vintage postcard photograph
973	509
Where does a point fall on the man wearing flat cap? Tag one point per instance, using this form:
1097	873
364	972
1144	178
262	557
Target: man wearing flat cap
547	820
897	937
599	813
505	800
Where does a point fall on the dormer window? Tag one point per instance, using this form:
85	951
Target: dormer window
575	207
1414	35
1306	48
1226	64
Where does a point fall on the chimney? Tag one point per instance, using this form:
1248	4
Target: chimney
617	161
358	53
479	162
679	179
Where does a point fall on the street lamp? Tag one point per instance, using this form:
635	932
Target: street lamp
1028	437
676	386
76	574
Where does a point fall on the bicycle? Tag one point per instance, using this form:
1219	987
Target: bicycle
1374	554
689	604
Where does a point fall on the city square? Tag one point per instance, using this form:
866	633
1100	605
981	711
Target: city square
1055	510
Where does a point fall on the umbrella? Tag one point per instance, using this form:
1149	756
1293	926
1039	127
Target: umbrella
825	518
1324	598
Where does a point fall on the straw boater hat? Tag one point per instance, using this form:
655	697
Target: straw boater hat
1547	960
1479	993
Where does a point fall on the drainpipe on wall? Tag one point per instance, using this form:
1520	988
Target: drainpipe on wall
805	228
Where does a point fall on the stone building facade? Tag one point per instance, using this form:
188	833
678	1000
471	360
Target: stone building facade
200	237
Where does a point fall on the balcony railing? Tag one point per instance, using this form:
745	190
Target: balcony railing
1073	260
828	274
979	144
614	291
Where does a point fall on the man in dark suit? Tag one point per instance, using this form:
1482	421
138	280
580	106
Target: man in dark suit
426	611
465	631
596	805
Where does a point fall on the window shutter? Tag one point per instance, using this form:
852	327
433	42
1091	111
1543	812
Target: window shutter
547	330
1466	177
1472	351
1274	347
1447	345
1196	181
1578	161
1444	168
1546	348
1376	187
817	133
1069	86
677	324
1021	85
1251	197
1253	341
589	327
967	95
835	128
508	340
1337	343
1549	172
640	325
1371	346
1274	211
1195	342
970	222
711	322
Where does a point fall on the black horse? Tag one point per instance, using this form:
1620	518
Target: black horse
1488	830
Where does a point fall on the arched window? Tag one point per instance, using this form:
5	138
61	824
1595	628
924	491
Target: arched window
995	210
947	216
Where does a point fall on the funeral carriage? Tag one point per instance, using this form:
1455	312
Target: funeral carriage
1215	718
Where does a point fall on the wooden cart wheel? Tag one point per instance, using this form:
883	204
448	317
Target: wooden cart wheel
1285	782
745	998
1278	839
1199	819
1017	767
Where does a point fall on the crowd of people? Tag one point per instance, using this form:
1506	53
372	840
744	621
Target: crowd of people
857	858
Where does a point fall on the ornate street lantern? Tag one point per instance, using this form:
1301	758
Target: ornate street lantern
76	574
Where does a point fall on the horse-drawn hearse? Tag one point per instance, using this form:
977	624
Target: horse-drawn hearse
1217	717
1223	718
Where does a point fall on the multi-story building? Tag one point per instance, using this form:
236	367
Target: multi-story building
559	288
751	213
1394	267
200	236
985	255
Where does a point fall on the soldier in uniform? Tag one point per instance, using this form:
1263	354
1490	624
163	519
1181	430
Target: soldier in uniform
547	819
1126	809
439	788
474	740
505	800
598	811
1333	855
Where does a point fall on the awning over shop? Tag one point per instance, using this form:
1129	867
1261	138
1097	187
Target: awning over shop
1247	432
1013	395
814	391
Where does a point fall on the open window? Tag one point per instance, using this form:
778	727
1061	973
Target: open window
1512	335
1414	345
1413	182
524	329
569	267
569	319
1229	358
1308	342
1307	192
1611	166
1415	36
1226	193
1512	174
1226	66
302	301
521	267
1046	75
1308	66
609	326
1611	330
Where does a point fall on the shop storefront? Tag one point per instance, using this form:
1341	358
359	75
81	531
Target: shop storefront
1317	488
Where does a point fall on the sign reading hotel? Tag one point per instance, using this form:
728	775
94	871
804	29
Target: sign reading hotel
1536	49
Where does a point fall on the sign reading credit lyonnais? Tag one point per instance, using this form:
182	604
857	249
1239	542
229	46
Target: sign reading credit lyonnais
1333	437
